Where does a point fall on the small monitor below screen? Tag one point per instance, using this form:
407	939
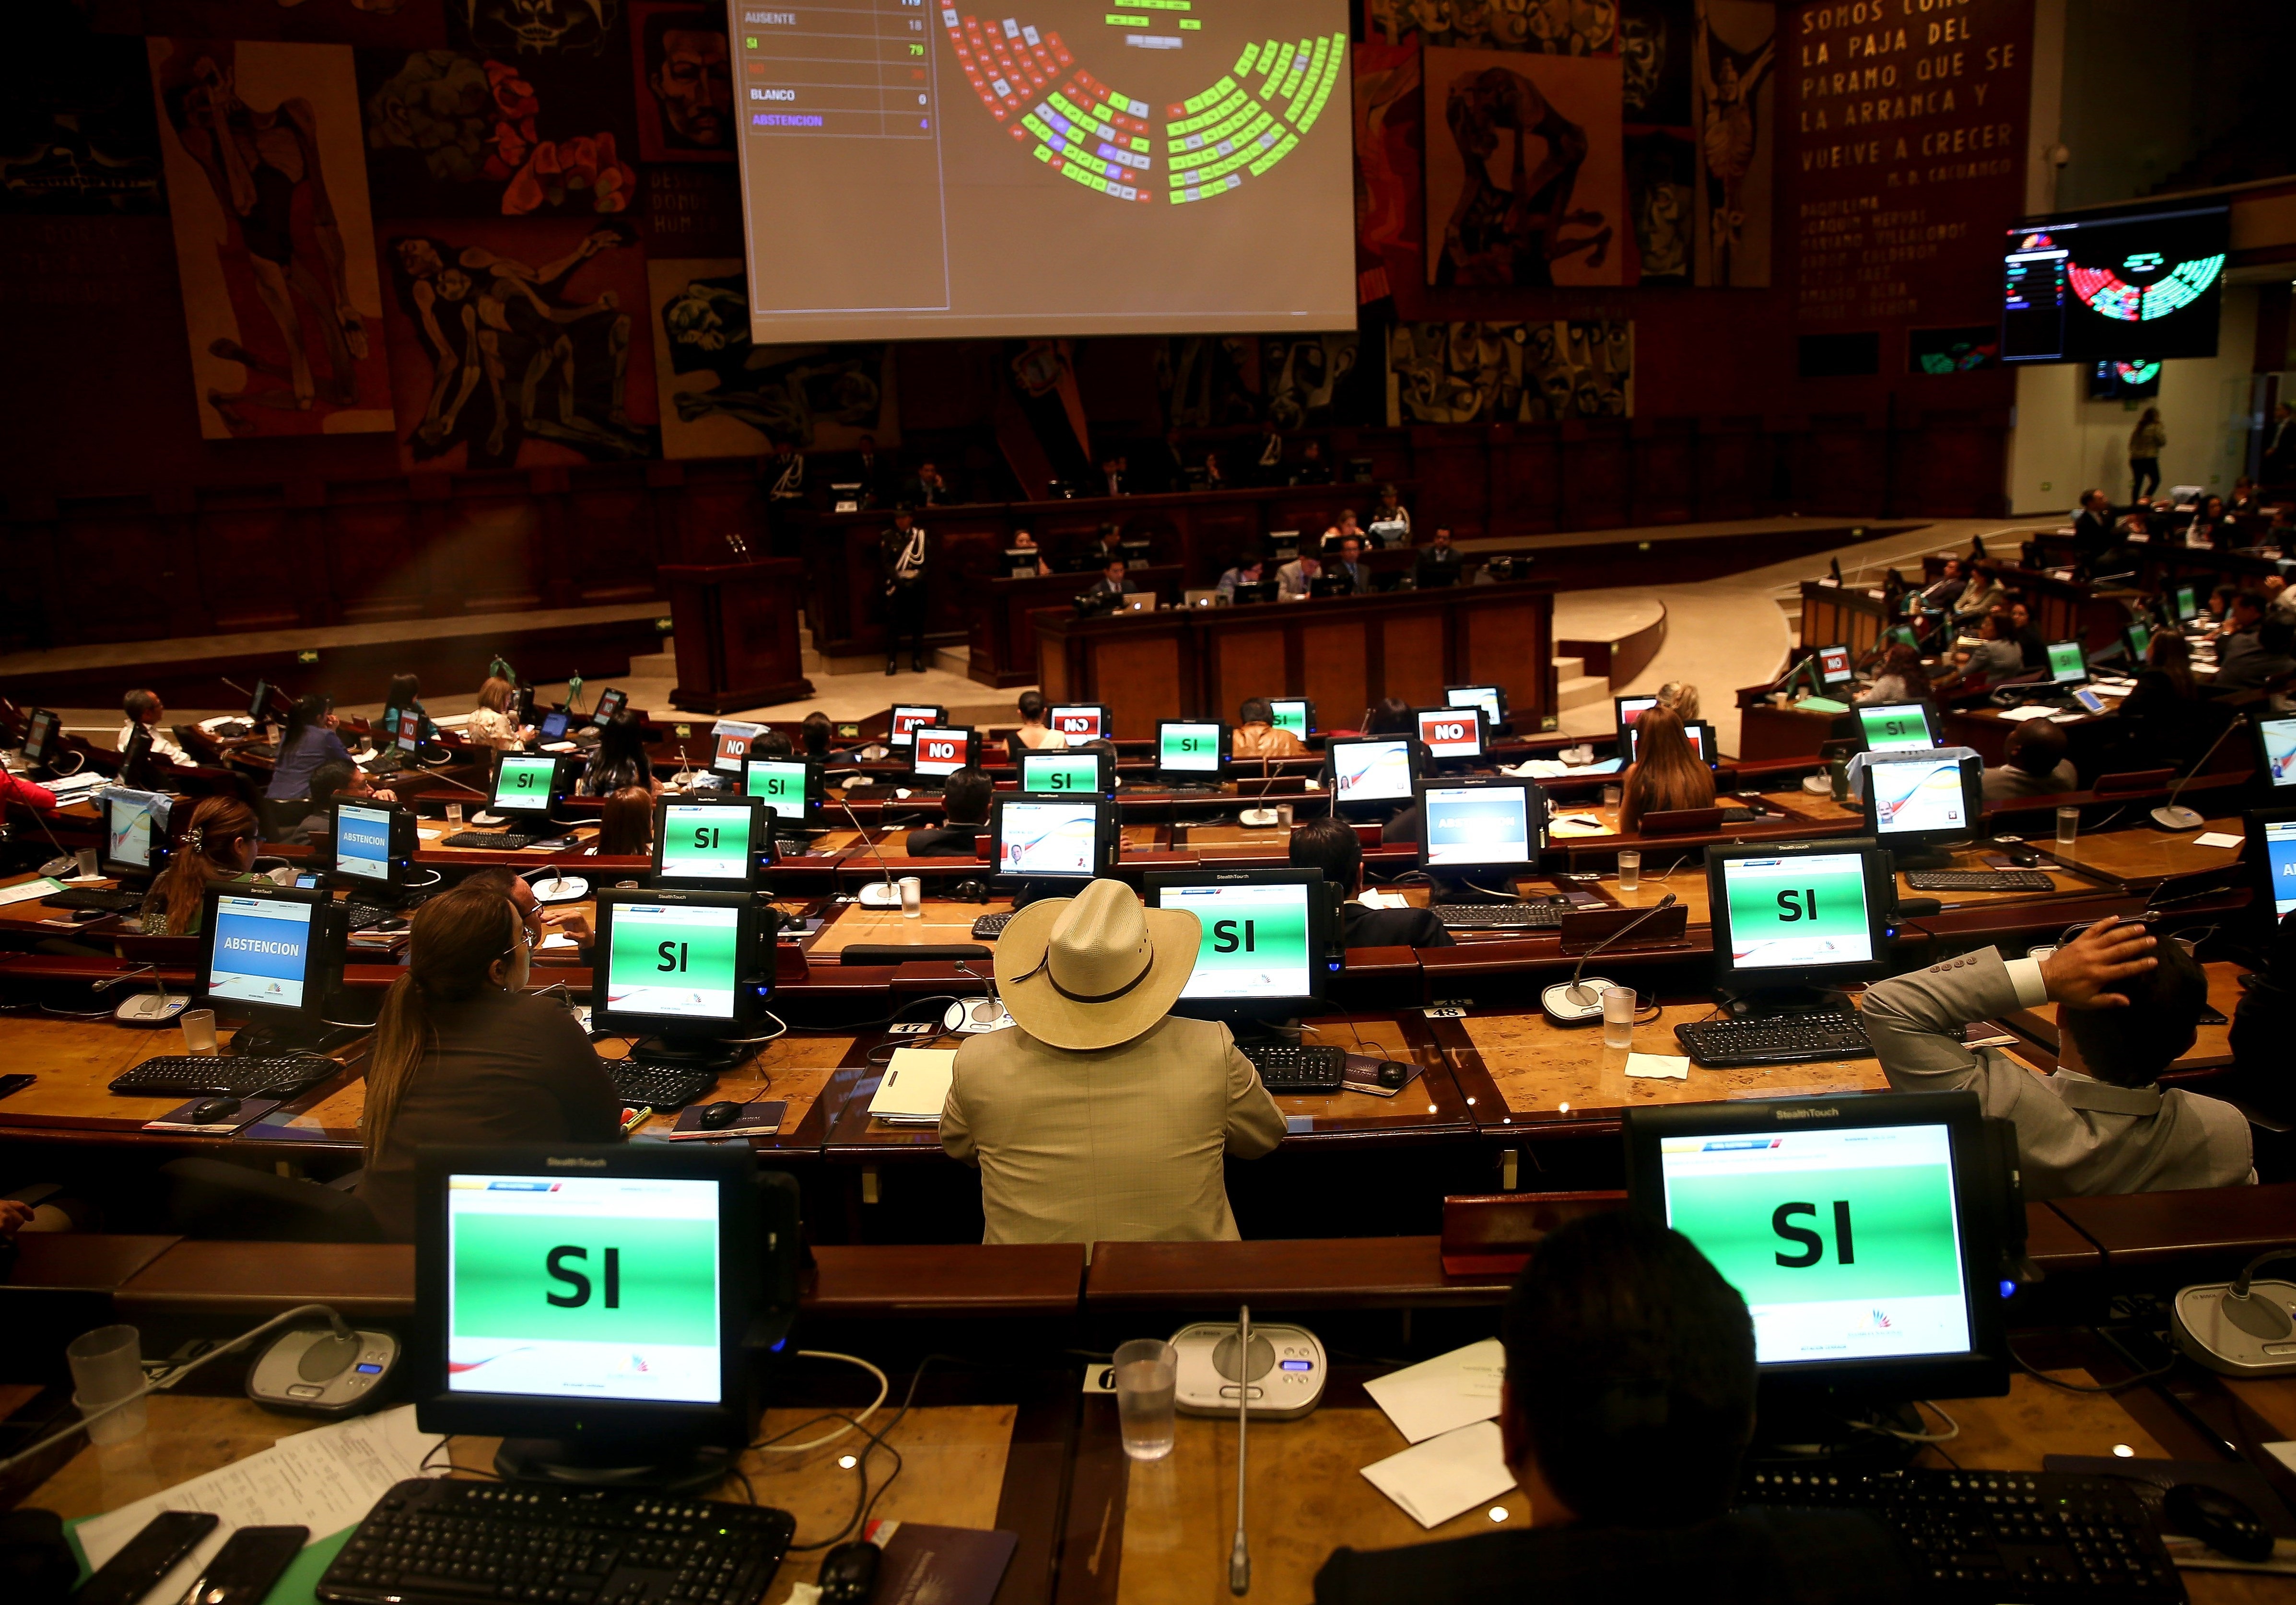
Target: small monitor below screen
1044	838
131	827
1190	748
708	846
2276	740
1628	709
940	752
1265	950
1068	774
1294	714
1835	666
2272	839
1699	733
525	785
907	716
1450	733
1378	770
1080	721
2067	665
1480	827
1490	698
1791	916
1896	727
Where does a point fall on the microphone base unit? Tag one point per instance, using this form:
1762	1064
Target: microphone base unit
150	1008
2205	1327
1288	1365
2174	818
877	894
1561	1009
971	1016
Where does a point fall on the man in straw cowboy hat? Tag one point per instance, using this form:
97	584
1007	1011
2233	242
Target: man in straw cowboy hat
1100	1116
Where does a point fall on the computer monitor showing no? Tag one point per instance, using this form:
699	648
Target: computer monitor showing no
1793	915
610	701
2272	848
939	751
131	832
40	726
2067	665
1294	714
1699	733
1477	828
1189	751
595	1300
1917	802
1068	774
1450	733
1490	698
731	740
1897	726
2275	742
526	785
1835	665
1863	1233
1080	721
1372	774
372	844
1266	950
680	969
406	730
1626	711
1053	838
907	716
790	788
710	845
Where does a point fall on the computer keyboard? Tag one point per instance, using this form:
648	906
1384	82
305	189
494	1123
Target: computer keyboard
1982	1536
96	897
1500	916
366	916
992	925
1979	880
640	1084
450	1542
223	1075
1724	1045
1289	1070
506	841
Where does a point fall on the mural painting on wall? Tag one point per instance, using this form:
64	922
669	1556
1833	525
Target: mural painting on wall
1734	116
512	343
77	129
685	72
727	398
1292	381
1540	372
1571	27
409	24
1525	174
274	244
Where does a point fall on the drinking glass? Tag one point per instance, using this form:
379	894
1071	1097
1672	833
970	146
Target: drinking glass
1147	1376
912	897
1618	1017
199	1030
1630	869
107	1365
2068	826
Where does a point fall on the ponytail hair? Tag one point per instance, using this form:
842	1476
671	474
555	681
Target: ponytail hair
208	851
457	936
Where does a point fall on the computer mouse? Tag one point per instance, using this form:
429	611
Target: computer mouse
717	1116
210	1111
1393	1074
848	1574
2219	1519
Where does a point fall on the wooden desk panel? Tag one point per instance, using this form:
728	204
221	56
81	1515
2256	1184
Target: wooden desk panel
2014	1432
2196	1230
75	1060
1311	1273
939	922
2140	853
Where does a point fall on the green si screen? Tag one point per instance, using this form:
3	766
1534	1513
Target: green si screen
1808	1236
673	949
1807	898
1062	774
1194	746
586	1279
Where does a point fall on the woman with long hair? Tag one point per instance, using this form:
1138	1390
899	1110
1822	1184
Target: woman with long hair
621	760
308	740
218	844
463	1054
626	824
1667	774
1900	678
2146	442
493	721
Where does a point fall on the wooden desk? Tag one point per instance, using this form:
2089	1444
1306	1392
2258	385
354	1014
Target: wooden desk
2141	856
1309	1273
1003	637
2211	1048
737	634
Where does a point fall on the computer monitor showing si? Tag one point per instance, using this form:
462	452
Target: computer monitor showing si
1481	829
1070	838
1294	714
1266	950
1795	914
1863	1233
1897	726
1916	802
2187	604
710	845
1189	751
2067	665
1068	773
790	788
2136	637
687	972
527	785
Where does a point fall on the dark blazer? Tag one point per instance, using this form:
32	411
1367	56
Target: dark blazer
1752	1557
948	841
1392	927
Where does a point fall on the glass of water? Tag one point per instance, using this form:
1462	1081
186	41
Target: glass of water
1147	1374
1630	869
2068	826
1618	1017
454	817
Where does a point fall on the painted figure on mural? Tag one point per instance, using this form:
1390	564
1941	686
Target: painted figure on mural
1511	233
1728	79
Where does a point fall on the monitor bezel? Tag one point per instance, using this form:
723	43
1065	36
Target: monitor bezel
1702	747
894	737
2257	720
1619	719
1324	962
2049	646
259	703
752	968
47	734
742	1250
1107	836
816	789
1053	714
1816	657
1980	1196
972	752
1880	898
1973	797
1419	716
135	755
1499	693
1929	723
1536	817
398	852
760	839
2180	594
600	712
1200	777
322	961
552	800
119	869
1415	757
1103	769
2259	859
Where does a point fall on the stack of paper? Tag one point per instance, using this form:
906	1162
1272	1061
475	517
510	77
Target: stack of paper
1447	1475
1449	1391
915	1086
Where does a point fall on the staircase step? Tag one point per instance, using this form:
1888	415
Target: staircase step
1570	669
1580	690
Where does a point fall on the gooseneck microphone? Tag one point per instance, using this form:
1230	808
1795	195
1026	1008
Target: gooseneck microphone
1239	1554
892	897
1576	1003
2170	815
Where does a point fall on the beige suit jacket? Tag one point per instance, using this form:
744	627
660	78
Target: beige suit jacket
1122	1145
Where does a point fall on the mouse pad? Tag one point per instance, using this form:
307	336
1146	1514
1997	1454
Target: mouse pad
179	1118
2154	1478
755	1120
1361	1075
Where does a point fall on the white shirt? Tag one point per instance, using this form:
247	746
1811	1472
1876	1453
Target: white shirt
164	743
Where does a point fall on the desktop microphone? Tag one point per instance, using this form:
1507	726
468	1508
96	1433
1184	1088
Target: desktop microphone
142	1009
890	897
2168	816
1576	1004
1239	1554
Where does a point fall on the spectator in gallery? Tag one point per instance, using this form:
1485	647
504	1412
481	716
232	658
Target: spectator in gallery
1391	523
1215	476
1248	571
1023	541
2146	442
932	490
1115	476
1294	578
1312	470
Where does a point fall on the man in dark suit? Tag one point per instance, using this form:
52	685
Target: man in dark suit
1331	846
880	478
1349	566
1111	582
1440	553
965	812
1627	1405
2092	533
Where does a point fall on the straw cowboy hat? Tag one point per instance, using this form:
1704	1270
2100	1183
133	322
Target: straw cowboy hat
1095	970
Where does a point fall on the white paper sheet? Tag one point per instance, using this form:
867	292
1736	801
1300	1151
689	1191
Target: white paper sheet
915	1085
1658	1066
1444	1476
2030	711
2217	839
1443	1394
325	1479
1385	900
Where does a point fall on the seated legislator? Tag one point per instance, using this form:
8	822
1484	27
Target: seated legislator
2264	1023
1681	696
144	709
2266	659
964	811
1111	582
1997	655
331	780
815	734
1331	846
625	825
2031	648
30	793
1666	776
1439	552
619	761
2038	765
493	721
308	740
1980	596
1247	570
1348	565
2128	1006
1627	1407
218	844
1023	541
463	1055
1035	735
1098	1116
1256	734
1901	678
1294	578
